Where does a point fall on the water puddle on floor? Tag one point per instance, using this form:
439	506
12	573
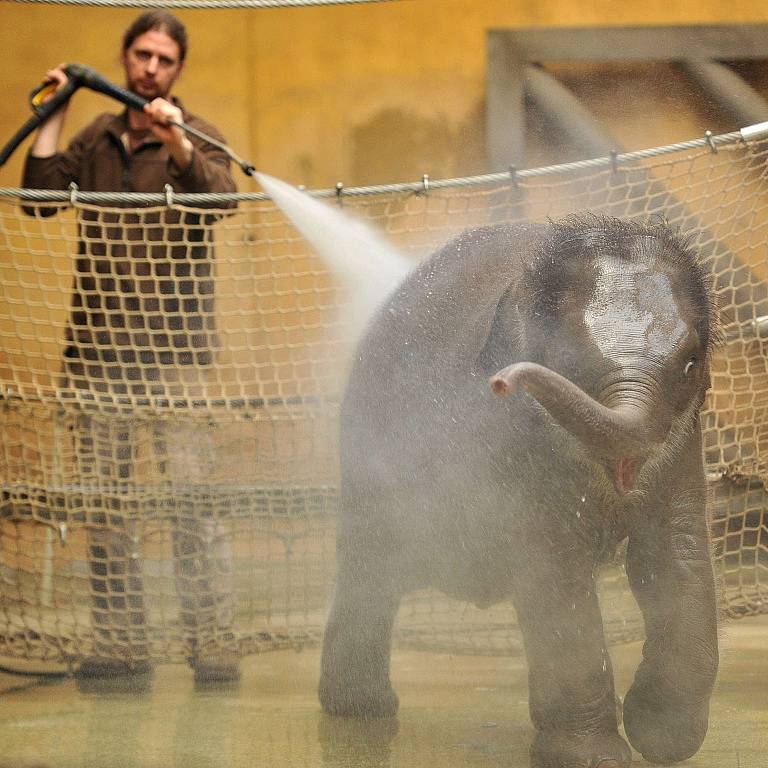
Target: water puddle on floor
454	711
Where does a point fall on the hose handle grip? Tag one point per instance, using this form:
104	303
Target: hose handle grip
42	108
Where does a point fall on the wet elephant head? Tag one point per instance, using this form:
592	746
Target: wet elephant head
616	325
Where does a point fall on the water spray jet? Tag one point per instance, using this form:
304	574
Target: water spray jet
367	266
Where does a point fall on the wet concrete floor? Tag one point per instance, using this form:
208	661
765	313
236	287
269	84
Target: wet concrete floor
455	711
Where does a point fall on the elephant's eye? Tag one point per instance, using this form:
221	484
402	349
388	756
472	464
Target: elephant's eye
690	366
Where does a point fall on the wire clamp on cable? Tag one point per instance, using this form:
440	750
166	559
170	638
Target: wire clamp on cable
710	142
168	189
73	190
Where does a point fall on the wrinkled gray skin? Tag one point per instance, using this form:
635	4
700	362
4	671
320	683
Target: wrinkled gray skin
526	399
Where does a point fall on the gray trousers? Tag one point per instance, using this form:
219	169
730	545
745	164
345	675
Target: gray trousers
117	460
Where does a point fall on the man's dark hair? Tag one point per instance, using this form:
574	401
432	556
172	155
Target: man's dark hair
161	21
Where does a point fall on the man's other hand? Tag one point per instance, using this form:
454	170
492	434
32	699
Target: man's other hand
47	137
56	77
161	114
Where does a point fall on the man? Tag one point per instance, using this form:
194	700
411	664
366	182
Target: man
124	152
142	325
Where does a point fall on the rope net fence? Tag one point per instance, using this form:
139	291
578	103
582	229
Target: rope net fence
170	384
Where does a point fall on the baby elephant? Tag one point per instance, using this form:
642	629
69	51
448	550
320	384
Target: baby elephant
596	336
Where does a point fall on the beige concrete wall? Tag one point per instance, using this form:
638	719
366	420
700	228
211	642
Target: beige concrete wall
361	93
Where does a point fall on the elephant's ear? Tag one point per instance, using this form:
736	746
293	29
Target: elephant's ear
550	278
495	261
496	333
510	329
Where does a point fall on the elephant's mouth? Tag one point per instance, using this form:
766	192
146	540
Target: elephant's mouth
624	474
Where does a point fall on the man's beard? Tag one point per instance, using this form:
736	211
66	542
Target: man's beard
146	91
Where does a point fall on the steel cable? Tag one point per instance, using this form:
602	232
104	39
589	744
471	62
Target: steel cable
205	4
618	161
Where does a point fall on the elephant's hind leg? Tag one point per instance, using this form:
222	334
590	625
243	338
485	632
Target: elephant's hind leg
354	679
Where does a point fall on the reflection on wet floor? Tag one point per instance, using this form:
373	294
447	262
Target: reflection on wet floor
455	711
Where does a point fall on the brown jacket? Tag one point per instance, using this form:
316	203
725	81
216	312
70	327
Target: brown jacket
143	287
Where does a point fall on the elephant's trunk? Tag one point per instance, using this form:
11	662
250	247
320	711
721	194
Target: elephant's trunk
624	434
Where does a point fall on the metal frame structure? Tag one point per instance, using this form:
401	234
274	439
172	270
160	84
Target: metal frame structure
514	75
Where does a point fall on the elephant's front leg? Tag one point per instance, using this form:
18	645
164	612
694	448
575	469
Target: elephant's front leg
669	566
572	700
354	675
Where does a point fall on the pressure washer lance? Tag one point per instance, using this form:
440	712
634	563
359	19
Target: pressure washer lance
80	76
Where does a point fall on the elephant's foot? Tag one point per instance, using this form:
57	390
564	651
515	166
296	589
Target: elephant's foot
663	731
562	749
353	699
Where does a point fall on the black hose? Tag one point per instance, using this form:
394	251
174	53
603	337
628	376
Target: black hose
42	113
79	76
